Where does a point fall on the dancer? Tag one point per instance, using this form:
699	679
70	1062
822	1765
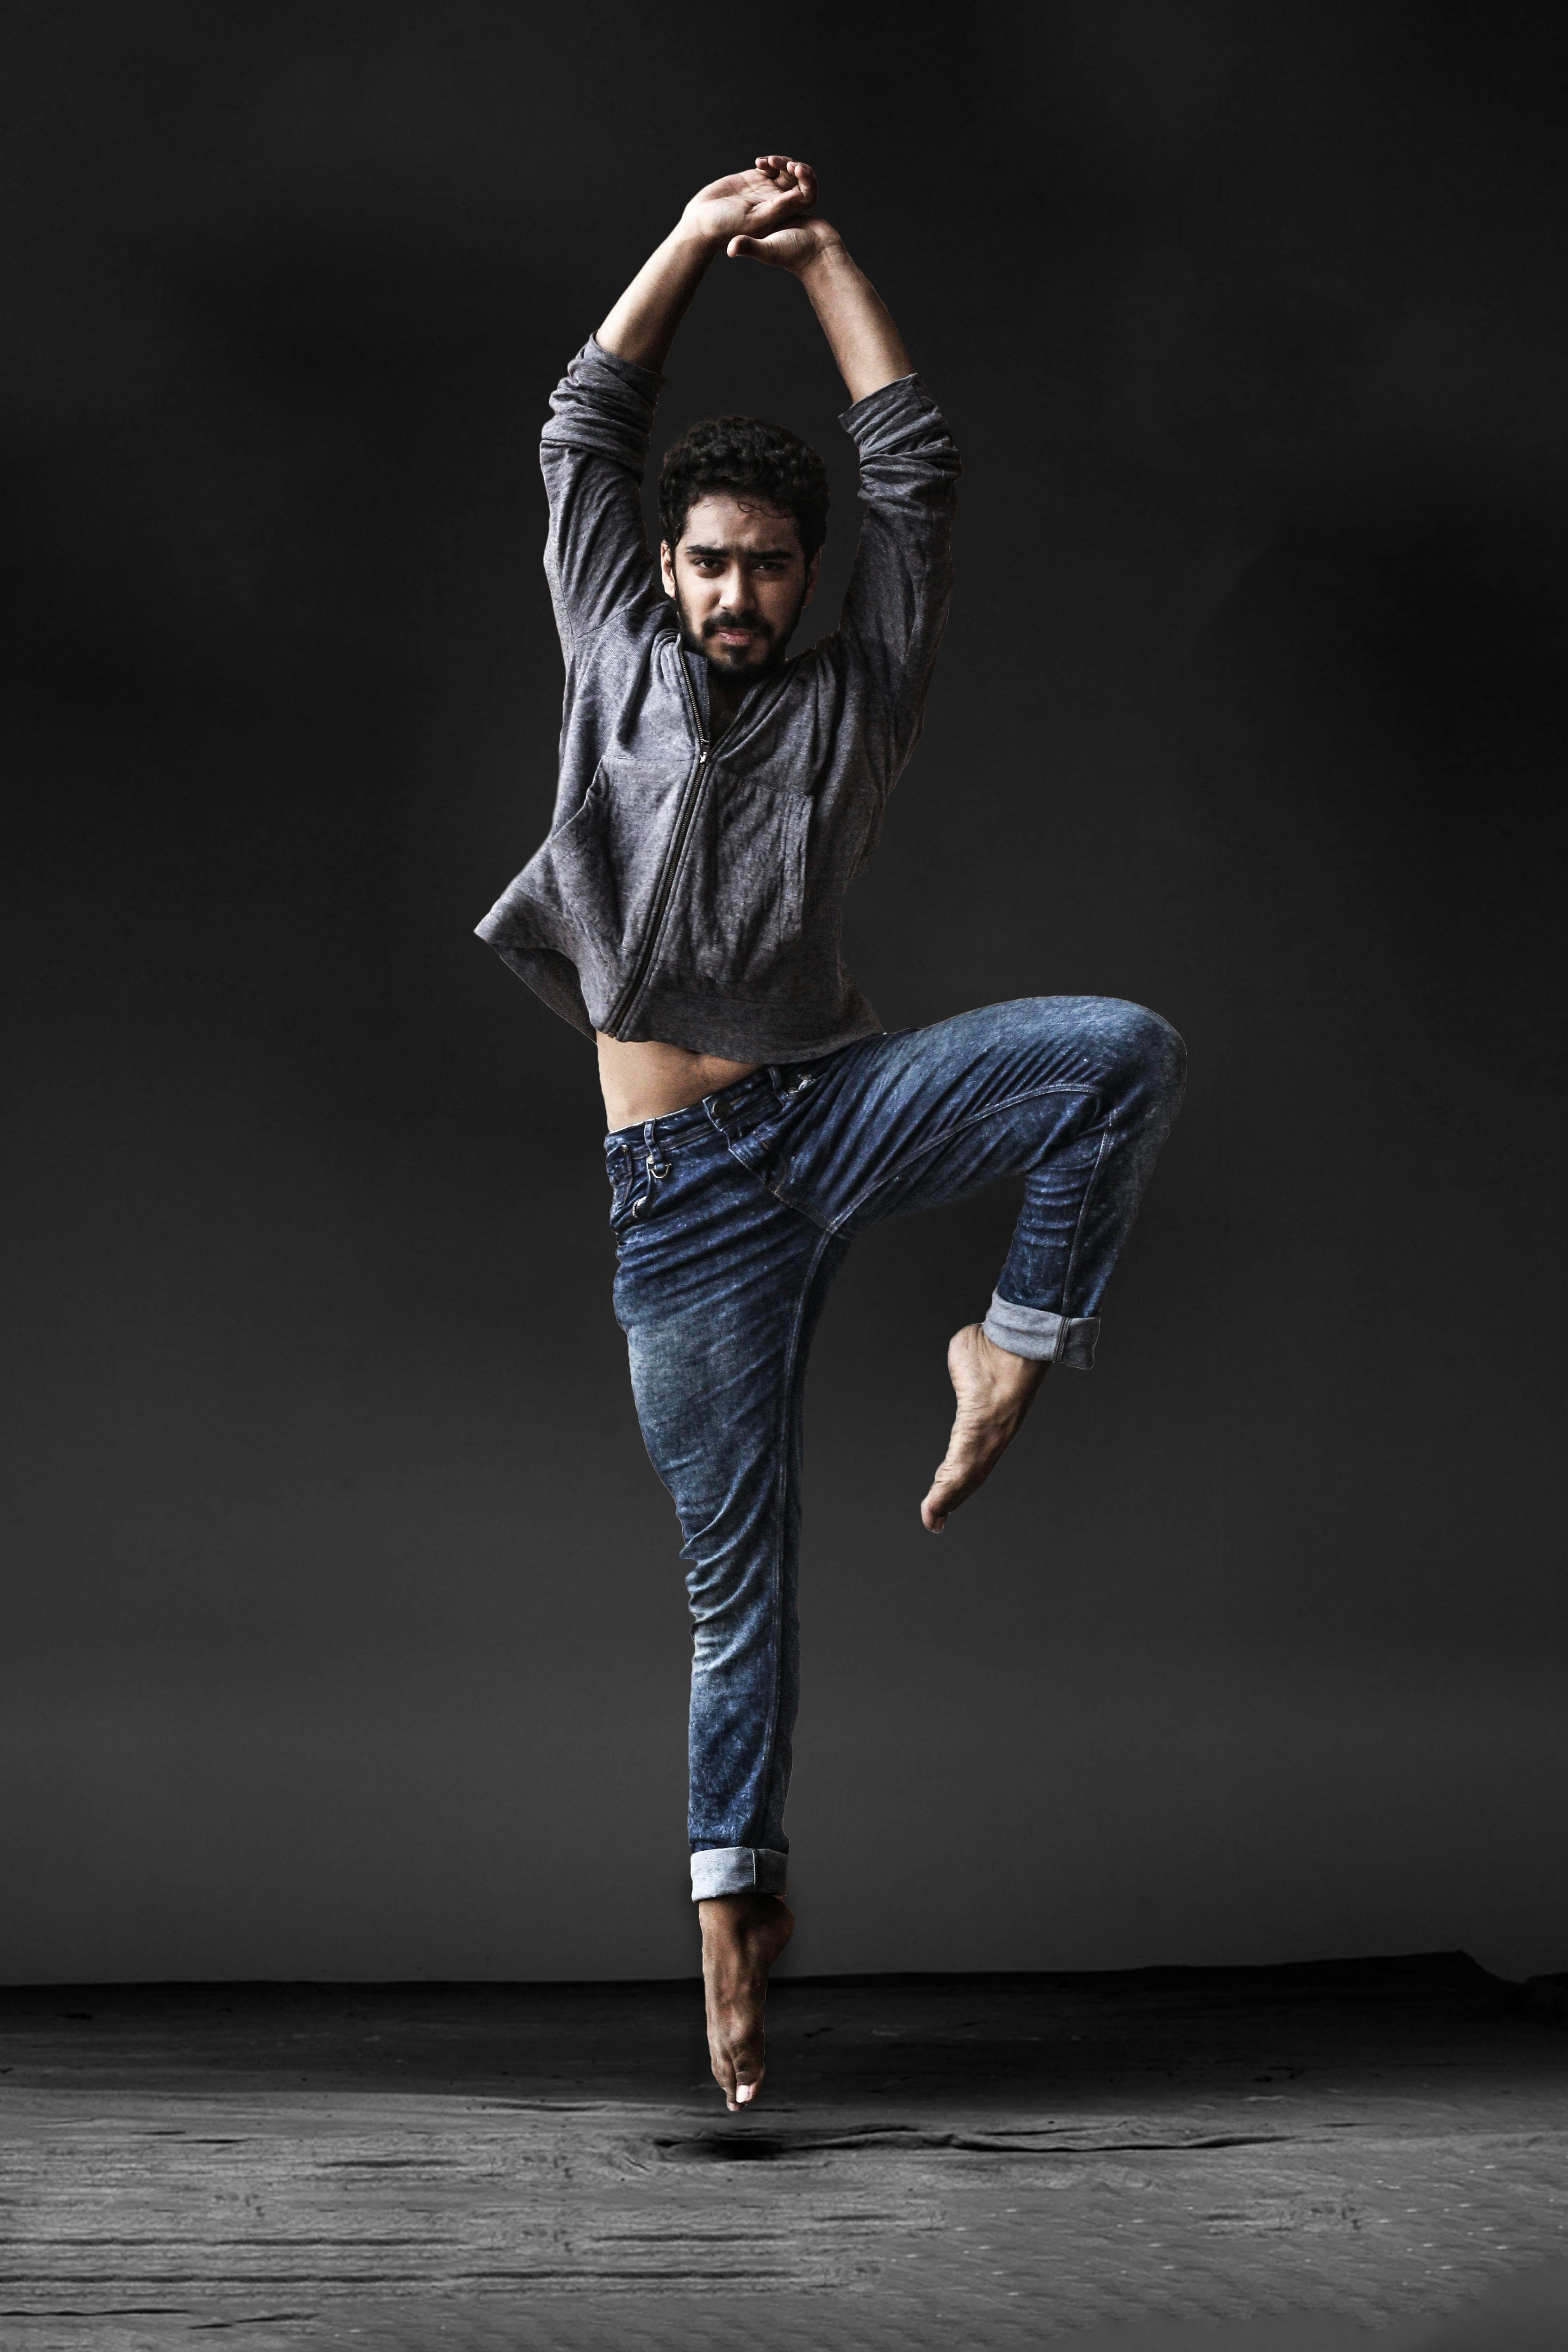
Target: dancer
716	797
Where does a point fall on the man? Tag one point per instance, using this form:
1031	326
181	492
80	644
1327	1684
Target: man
716	799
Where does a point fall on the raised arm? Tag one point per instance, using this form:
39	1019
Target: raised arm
743	212
595	449
853	316
902	581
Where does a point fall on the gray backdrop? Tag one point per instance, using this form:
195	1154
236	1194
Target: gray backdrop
345	1631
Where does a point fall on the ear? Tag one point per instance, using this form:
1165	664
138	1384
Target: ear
666	566
812	569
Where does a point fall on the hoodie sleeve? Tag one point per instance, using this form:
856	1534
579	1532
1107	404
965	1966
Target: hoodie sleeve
901	586
594	454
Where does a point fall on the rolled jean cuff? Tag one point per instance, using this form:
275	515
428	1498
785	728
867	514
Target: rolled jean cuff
1065	1339
738	1870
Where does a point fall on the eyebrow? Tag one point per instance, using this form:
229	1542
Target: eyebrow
705	547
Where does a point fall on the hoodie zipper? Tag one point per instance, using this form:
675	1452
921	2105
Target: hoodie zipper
683	817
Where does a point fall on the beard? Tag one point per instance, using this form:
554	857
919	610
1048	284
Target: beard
765	652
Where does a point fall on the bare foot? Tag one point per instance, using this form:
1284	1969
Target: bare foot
994	1390
742	1936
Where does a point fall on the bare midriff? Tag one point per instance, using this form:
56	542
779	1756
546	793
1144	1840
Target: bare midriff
649	1080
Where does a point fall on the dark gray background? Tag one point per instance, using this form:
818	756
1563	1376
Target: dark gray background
345	1634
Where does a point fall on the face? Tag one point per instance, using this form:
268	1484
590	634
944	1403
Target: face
740	582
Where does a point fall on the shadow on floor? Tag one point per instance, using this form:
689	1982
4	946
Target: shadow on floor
1169	2160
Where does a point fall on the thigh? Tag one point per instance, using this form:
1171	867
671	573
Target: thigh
716	1290
925	1116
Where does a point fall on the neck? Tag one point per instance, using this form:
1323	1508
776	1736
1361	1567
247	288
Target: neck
724	696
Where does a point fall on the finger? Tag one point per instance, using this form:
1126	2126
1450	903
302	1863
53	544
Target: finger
742	248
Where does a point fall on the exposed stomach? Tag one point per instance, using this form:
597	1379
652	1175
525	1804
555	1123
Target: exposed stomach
648	1080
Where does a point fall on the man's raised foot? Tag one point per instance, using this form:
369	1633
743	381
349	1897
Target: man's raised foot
994	1390
742	1936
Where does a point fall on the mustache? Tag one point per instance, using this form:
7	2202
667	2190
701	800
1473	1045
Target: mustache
753	621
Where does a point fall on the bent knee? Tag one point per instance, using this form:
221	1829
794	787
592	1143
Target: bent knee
1145	1050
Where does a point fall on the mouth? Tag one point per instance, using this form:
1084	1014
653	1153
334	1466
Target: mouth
736	636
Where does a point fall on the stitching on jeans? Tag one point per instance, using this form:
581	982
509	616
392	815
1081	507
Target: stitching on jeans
774	1194
1083	1208
784	1455
975	1119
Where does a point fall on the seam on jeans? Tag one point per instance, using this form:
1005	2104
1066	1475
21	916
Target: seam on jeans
1083	1208
776	1192
783	1199
975	1119
784	1458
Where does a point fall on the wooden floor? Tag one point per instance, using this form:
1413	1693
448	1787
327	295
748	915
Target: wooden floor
1272	2159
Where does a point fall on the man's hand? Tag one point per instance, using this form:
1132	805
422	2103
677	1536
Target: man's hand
795	248
750	207
763	214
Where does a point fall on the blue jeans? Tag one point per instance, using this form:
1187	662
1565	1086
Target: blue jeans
731	1220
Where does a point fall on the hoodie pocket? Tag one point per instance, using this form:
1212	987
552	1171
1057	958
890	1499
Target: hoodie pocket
743	908
598	873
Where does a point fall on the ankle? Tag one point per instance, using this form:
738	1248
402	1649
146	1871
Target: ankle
1019	1375
729	1919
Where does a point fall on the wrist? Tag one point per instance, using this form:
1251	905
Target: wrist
829	258
688	237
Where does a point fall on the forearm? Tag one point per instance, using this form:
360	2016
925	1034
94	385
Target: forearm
856	321
641	327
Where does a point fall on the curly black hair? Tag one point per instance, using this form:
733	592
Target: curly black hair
750	458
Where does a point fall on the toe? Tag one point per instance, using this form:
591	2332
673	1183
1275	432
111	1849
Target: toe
723	2071
948	1489
742	2080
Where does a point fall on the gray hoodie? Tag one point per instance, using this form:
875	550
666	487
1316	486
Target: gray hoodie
690	894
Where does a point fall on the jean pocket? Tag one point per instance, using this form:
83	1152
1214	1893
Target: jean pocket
624	1178
634	1195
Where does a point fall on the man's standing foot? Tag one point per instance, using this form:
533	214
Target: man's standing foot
994	1390
742	1936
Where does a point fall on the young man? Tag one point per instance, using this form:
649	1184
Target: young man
716	800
